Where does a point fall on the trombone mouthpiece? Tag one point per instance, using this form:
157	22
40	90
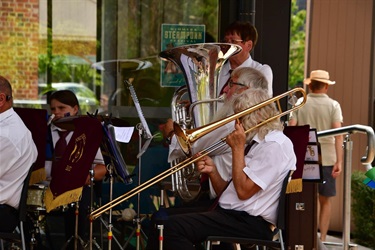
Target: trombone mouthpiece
221	97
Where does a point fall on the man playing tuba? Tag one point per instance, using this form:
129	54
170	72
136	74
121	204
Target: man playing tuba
244	34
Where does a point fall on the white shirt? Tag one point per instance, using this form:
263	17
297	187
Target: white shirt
264	68
267	164
205	141
17	153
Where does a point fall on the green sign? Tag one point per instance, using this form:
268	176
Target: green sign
174	35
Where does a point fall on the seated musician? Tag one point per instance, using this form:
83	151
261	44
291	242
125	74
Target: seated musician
17	153
241	80
248	203
64	103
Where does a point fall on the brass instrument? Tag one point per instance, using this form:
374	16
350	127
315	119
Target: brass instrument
199	132
201	65
194	104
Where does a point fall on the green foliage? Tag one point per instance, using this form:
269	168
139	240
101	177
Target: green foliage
297	45
363	210
65	71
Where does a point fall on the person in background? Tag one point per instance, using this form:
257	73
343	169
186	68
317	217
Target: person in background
65	103
17	154
322	112
248	203
103	108
244	34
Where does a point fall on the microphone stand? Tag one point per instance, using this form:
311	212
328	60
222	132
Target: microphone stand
162	216
77	239
92	240
109	226
138	220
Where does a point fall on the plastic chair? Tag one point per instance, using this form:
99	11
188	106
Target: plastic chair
277	243
19	237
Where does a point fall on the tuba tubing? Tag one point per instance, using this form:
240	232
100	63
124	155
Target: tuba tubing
199	133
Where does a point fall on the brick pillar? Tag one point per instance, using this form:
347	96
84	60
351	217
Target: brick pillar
19	39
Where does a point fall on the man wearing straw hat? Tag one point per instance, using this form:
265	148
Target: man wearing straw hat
322	112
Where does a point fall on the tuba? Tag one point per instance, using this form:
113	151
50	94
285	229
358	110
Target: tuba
201	65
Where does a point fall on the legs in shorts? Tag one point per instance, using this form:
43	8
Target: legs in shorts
327	190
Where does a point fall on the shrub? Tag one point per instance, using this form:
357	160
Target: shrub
363	210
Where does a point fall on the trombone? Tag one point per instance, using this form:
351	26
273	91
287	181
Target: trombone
185	137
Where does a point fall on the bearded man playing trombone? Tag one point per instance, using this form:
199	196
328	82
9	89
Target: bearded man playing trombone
241	79
248	203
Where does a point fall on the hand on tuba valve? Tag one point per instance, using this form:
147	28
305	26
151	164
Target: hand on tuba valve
167	128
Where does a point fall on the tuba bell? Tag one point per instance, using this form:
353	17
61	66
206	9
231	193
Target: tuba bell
201	65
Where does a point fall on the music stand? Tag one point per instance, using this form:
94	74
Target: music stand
143	132
92	137
127	69
115	166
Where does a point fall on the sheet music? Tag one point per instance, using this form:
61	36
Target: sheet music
139	110
123	134
112	154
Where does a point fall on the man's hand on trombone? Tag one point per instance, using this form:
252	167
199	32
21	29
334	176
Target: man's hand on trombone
237	139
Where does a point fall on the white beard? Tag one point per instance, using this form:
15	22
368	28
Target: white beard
225	110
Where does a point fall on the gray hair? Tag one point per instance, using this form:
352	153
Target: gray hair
249	98
250	77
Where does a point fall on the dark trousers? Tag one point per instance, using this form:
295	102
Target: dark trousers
185	231
8	218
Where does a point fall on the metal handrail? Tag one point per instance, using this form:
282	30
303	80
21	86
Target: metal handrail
353	129
365	160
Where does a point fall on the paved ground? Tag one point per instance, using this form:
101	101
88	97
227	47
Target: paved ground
336	243
122	230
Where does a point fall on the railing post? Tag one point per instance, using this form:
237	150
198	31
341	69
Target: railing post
347	171
348	149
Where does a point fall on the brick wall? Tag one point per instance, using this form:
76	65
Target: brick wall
19	38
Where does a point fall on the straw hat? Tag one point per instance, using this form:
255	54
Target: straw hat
319	75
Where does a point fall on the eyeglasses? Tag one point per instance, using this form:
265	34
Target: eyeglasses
231	83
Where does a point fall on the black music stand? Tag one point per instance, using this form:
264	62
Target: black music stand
116	167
